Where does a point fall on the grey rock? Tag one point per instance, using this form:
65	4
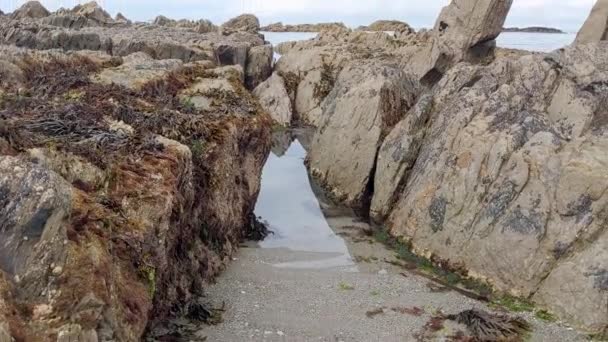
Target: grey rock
274	98
465	31
36	204
595	28
243	23
259	65
367	100
31	9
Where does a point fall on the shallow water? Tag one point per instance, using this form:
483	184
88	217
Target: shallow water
289	205
541	42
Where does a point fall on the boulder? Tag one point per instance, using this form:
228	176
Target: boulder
274	98
242	23
259	65
465	31
94	12
366	101
595	28
31	9
161	20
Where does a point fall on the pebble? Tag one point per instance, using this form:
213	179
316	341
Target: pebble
280	333
383	272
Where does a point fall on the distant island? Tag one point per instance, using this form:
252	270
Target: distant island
279	27
533	29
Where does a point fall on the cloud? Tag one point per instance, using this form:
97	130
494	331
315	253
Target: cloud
566	14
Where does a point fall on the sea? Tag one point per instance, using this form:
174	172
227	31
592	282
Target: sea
540	42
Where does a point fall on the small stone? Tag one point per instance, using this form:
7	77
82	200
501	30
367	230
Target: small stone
383	272
280	333
268	332
57	270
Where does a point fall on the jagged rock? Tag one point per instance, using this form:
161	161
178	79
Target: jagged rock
242	23
274	98
388	26
595	28
397	156
259	65
31	9
161	20
367	100
35	211
465	30
93	12
502	182
121	18
205	26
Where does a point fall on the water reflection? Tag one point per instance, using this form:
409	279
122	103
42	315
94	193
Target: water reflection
287	202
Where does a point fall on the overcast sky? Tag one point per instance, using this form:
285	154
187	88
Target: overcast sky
565	14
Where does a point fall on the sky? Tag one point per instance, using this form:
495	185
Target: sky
568	15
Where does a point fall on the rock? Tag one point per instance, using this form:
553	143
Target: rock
161	20
397	156
259	65
137	69
232	54
121	18
279	27
367	100
501	184
284	47
75	333
31	9
93	12
595	28
205	26
275	100
36	206
388	26
465	30
242	23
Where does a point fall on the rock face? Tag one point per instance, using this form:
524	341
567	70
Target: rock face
274	98
595	28
279	27
366	101
120	195
490	163
388	25
243	23
31	9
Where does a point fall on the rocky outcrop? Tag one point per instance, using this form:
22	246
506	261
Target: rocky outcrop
199	26
121	197
31	9
489	163
279	27
274	98
94	12
595	28
465	31
388	26
243	23
366	101
533	29
494	187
